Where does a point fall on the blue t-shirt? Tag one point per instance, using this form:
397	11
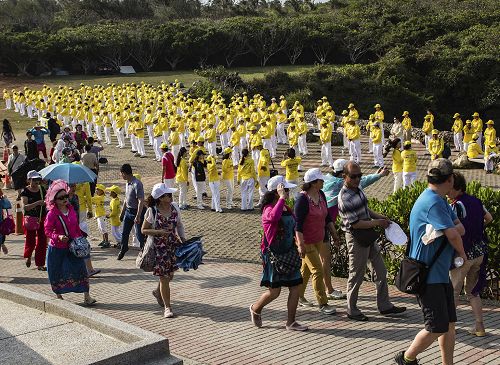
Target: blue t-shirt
430	208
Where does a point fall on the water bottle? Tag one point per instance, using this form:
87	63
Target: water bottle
458	261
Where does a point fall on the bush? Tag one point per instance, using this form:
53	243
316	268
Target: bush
398	207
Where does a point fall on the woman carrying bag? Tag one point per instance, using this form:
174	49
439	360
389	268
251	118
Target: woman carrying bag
67	272
163	225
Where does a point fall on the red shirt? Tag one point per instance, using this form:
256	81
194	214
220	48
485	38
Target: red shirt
168	165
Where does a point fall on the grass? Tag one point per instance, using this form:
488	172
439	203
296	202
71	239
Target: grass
20	124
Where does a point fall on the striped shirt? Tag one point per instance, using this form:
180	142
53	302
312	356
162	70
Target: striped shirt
353	207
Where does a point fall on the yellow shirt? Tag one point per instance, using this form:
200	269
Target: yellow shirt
291	166
263	165
293	137
477	125
84	196
457	126
227	169
114	212
379	116
436	147
212	173
174	138
247	170
182	171
409	161
266	131
325	134
98	201
210	135
468	132
255	140
397	161
474	150
427	127
353	132
376	135
235	139
406	123
353	113
490	135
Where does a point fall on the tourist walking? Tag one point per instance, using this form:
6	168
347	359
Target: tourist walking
7	133
163	225
67	273
278	224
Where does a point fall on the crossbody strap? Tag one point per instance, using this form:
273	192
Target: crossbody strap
64	226
272	164
436	255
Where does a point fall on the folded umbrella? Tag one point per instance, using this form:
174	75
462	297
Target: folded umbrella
69	172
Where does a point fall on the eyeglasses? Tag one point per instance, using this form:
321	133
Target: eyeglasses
63	197
355	176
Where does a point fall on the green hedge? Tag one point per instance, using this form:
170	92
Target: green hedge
398	207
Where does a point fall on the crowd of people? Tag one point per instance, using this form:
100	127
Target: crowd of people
193	138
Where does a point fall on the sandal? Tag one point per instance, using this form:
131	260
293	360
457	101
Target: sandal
5	250
89	302
359	317
295	326
255	317
41	268
94	272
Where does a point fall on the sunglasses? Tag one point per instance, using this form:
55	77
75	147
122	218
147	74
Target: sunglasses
63	197
355	176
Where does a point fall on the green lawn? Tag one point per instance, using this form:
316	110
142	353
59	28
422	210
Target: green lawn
20	124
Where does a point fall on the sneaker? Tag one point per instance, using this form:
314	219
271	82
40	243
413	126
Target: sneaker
303	302
168	313
336	294
201	207
327	309
295	326
400	359
394	310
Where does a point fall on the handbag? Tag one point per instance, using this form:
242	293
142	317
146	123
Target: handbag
146	258
273	172
33	223
7	226
365	237
283	263
412	275
78	246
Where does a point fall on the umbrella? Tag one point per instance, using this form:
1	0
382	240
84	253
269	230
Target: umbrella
69	172
19	175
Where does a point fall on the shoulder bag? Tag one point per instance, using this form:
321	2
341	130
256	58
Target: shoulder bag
412	275
273	172
365	237
78	246
33	223
7	226
147	256
283	263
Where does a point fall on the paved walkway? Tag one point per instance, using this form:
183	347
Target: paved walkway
213	325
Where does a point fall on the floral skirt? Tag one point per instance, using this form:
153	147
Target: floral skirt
67	273
272	279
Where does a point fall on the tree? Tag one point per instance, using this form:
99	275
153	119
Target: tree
23	49
235	41
296	42
145	45
323	36
268	38
79	43
174	42
112	44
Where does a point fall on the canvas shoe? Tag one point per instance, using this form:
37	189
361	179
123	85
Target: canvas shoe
303	302
168	313
327	309
336	294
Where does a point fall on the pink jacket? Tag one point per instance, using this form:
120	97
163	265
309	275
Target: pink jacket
54	228
271	216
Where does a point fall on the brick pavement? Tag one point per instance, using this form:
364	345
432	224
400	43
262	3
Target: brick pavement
212	325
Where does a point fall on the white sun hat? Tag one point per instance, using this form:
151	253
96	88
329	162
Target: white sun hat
273	183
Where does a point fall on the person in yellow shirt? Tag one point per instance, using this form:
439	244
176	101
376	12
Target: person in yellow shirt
228	176
302	131
353	135
325	137
477	127
181	176
234	142
255	144
371	120
263	172
427	128
211	139
242	132
114	213
353	113
148	123
468	133
120	126
265	132
436	145
214	182
490	134
474	149
157	139
457	128
397	163
247	179
490	151
291	163
409	164
376	136
406	122
100	214
280	129
344	121
138	132
7	97
174	140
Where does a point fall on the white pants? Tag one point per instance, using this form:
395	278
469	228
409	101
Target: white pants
215	189
280	130
274	146
121	138
266	143
149	128
211	148
165	136
457	141
229	193
409	178
398	181
116	231
175	150
488	163
199	187
262	187
378	158
345	139
247	187
302	144
243	142
157	141
255	157
127	123
101	225
98	132
22	109
140	146
426	140
466	146
8	103
480	138
107	134
355	150
133	143
89	128
224	140
183	193
326	154
370	145
235	155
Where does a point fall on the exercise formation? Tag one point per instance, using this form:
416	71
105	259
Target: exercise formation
222	143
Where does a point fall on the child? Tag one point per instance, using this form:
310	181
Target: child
409	164
4	204
181	177
248	180
228	176
214	183
100	214
114	213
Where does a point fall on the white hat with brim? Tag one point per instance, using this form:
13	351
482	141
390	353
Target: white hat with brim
313	175
272	183
338	165
161	189
33	174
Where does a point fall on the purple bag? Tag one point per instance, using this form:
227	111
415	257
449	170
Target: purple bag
7	226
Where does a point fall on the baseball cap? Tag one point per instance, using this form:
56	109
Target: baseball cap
272	183
164	146
440	167
100	187
338	165
33	174
161	189
313	174
115	189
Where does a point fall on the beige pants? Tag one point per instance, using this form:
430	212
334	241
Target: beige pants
311	266
468	273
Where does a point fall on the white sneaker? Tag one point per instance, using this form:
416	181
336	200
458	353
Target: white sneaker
201	207
336	294
327	309
303	302
295	326
168	313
